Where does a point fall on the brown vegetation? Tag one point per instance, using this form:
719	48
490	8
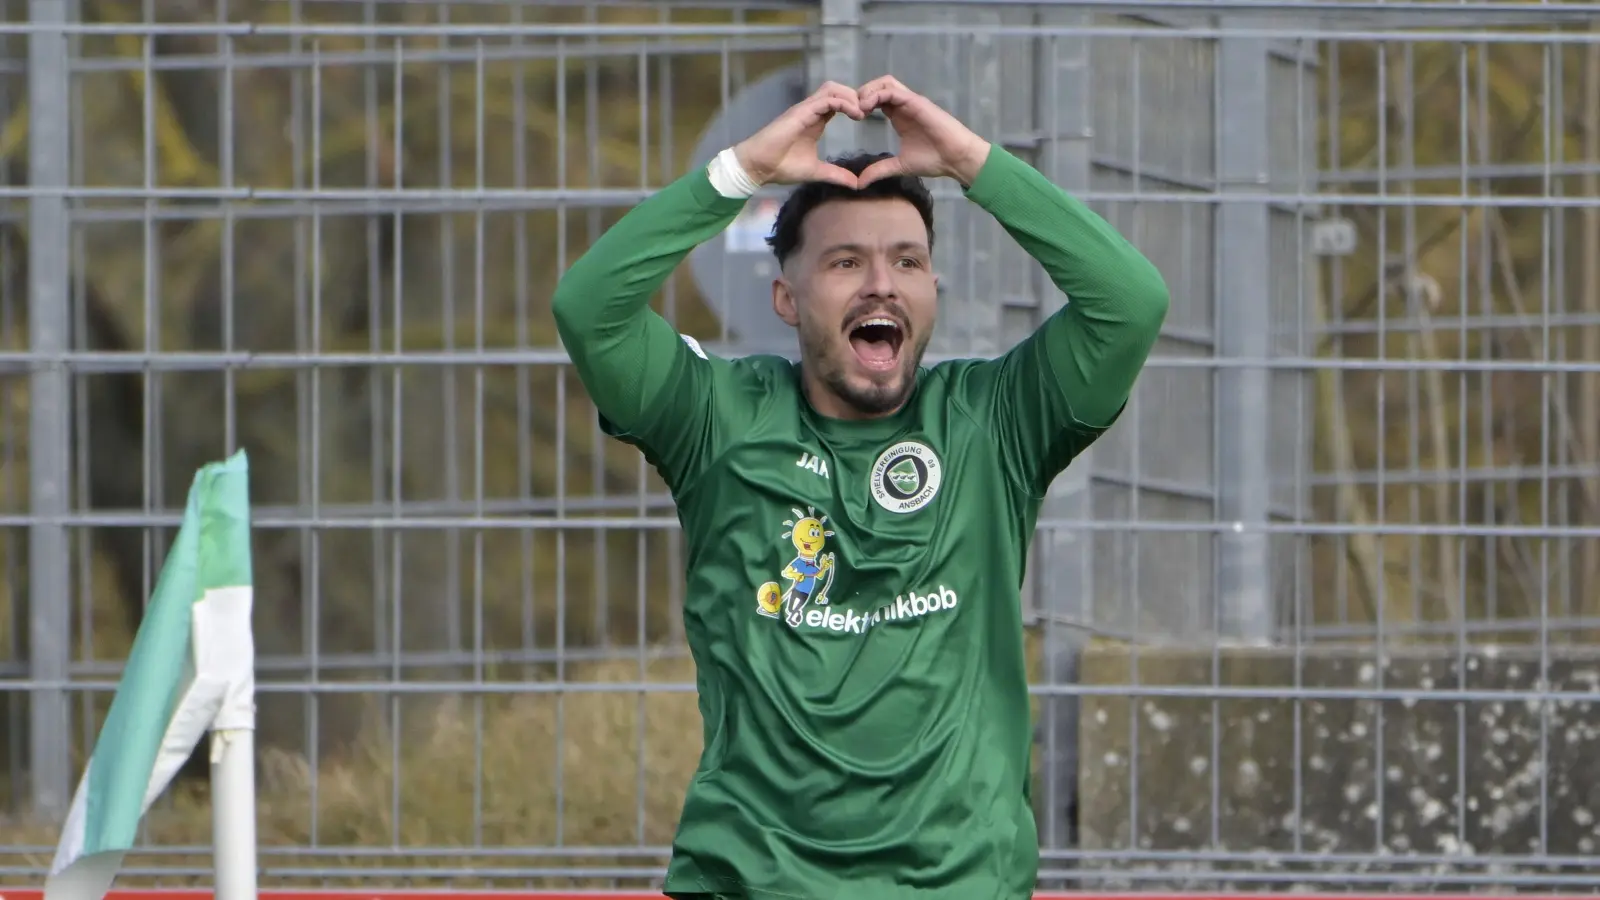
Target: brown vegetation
1448	270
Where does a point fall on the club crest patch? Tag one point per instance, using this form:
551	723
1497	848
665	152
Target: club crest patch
906	477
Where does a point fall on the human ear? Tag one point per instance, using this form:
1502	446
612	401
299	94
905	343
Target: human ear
783	303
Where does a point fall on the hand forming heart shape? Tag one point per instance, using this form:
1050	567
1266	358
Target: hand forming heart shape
933	143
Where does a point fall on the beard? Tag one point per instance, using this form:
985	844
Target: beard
831	359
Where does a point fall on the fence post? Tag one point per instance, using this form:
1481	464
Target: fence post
1062	566
840	60
1243	329
49	415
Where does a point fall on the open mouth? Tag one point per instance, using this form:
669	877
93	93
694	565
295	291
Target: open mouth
876	342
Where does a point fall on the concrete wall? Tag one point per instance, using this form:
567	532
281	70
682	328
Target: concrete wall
1346	775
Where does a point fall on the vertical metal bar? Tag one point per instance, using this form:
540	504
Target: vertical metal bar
1335	50
86	538
153	538
840	60
1548	94
1062	560
396	450
1381	507
1563	383
376	409
725	92
447	278
560	449
14	546
670	309
1304	161
480	325
1137	436
642	539
313	546
49	409
225	125
1492	548
1463	426
1588	394
594	96
1243	311
520	272
305	243
1406	106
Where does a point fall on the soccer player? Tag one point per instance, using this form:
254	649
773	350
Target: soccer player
857	524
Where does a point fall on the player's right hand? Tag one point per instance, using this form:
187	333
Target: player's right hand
785	151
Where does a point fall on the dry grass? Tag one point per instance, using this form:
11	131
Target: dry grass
470	773
443	779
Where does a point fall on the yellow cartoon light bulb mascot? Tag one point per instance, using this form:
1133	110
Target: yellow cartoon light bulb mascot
810	573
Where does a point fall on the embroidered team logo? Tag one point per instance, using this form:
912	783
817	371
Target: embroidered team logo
809	574
906	477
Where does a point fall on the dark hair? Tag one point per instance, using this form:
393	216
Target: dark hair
785	239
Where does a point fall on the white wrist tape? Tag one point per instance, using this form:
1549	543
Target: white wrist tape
729	178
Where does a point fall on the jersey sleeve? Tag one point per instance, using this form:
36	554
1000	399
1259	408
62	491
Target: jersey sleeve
1060	388
654	388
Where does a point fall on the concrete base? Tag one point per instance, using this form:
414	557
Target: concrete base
1412	783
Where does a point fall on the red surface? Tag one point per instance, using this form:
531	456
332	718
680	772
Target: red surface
196	894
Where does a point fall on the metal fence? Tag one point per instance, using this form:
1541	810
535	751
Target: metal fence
1320	610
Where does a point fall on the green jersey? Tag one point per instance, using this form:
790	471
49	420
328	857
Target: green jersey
852	599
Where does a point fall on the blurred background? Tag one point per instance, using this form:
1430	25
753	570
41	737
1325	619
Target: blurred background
1319	612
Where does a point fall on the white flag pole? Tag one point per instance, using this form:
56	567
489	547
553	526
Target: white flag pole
229	644
233	813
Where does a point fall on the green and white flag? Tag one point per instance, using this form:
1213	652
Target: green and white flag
191	670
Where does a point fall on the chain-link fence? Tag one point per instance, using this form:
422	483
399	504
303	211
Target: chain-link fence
1319	611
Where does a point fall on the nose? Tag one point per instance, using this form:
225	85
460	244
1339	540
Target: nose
880	281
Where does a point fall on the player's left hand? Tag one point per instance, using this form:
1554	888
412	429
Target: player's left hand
933	143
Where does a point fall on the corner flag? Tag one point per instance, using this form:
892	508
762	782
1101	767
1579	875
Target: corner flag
192	669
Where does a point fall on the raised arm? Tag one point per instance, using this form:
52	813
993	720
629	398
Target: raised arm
1063	385
653	387
623	350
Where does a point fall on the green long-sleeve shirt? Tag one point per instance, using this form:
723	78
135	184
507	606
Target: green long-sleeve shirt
852	600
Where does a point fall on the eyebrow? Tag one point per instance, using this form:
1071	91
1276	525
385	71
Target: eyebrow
901	246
